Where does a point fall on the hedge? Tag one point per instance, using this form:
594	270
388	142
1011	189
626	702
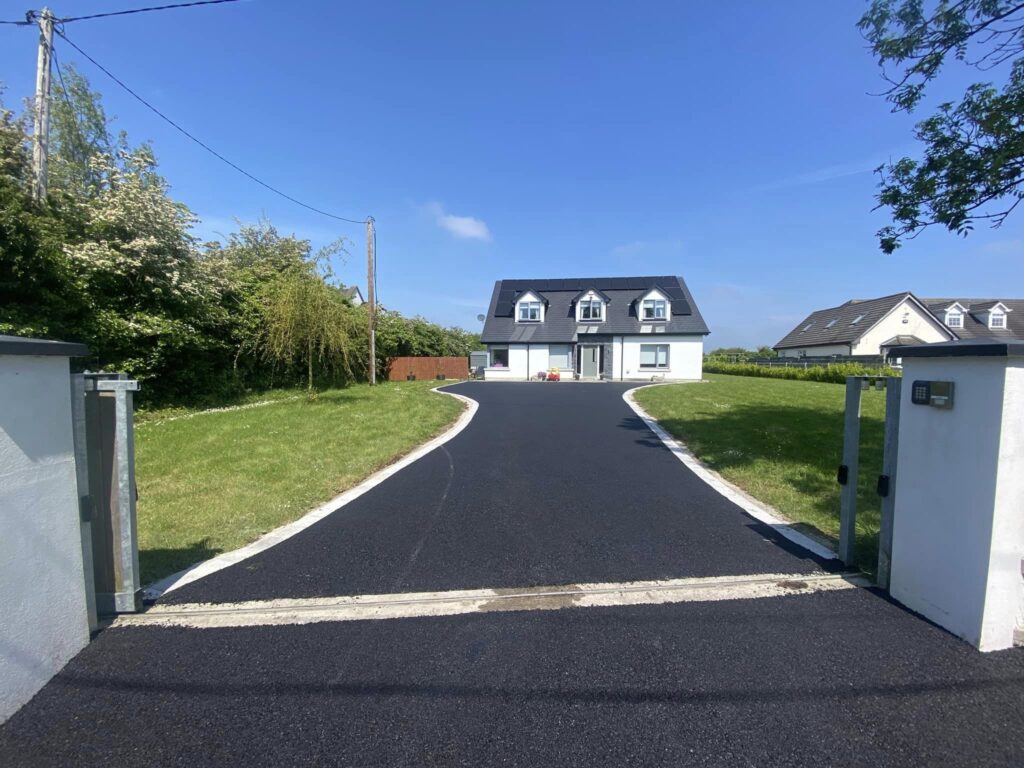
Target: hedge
834	373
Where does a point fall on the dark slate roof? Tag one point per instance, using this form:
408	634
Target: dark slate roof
974	327
818	329
560	324
901	341
23	345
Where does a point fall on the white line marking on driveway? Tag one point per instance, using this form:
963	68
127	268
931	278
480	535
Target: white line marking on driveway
276	536
311	610
747	503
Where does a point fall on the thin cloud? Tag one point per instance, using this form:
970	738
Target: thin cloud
462	227
819	176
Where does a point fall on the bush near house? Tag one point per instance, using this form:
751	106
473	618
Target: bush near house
834	373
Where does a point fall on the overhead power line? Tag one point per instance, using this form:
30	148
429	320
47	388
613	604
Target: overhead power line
31	17
202	144
146	10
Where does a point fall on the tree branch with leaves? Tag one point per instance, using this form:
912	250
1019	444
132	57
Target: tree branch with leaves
972	168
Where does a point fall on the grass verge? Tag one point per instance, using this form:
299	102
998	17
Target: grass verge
781	442
213	481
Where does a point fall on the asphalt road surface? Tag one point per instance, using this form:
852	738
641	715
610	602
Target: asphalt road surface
548	485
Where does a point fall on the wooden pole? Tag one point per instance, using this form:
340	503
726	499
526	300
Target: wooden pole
371	298
41	129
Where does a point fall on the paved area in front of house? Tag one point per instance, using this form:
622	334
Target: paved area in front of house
549	485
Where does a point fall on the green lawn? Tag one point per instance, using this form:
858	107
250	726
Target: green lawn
780	441
210	482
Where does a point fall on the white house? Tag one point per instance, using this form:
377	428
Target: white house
612	328
874	326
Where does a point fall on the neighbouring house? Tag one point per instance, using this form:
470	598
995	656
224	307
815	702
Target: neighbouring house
612	328
872	327
353	294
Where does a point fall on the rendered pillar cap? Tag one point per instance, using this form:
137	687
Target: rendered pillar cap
22	345
987	347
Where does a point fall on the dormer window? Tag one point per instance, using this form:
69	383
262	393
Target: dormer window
955	319
993	315
654	309
529	312
530	308
591	310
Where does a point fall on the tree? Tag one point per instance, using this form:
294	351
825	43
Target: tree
38	293
79	134
973	164
309	323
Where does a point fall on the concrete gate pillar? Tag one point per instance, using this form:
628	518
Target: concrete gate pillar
43	611
958	528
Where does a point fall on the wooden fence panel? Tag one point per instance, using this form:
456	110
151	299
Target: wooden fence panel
426	368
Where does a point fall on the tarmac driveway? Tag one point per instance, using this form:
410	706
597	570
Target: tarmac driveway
550	484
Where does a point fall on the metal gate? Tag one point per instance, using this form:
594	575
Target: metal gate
849	470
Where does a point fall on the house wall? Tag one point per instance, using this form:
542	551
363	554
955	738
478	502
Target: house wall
538	359
524	361
918	324
42	584
686	357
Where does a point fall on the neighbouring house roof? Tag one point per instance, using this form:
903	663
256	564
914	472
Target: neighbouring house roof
901	341
975	326
843	324
353	294
560	325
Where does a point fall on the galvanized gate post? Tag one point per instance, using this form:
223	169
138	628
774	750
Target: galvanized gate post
847	475
78	433
887	480
111	448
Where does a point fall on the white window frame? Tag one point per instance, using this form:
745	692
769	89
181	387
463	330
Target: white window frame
654	304
529	306
956	315
591	303
658	366
498	348
997	315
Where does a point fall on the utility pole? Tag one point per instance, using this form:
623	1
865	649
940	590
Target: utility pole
41	134
371	297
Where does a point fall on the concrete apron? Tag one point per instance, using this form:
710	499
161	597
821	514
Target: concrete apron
287	611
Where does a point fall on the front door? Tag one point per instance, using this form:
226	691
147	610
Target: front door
589	364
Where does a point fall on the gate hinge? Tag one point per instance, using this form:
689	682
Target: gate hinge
85	508
843	474
883	486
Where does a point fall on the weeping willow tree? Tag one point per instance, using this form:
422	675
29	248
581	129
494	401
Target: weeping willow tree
309	323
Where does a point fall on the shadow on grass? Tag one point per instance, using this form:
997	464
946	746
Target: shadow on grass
157	563
799	449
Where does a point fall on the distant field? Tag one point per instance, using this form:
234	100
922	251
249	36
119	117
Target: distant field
210	482
780	441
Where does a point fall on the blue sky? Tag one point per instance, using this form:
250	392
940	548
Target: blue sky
729	142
